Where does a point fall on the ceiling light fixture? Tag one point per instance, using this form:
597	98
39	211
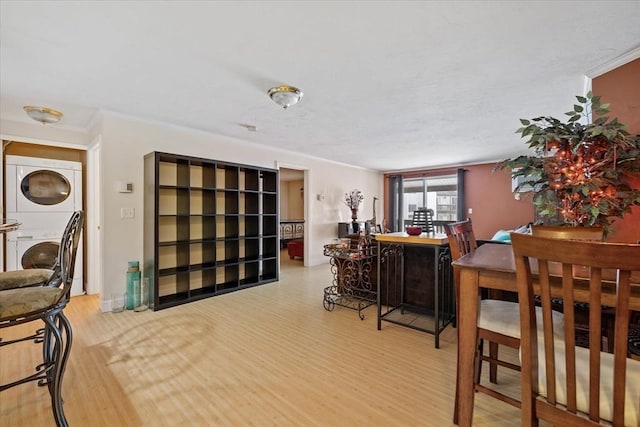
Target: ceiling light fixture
285	96
42	114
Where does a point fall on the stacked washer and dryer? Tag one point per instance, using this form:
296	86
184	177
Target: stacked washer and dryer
41	194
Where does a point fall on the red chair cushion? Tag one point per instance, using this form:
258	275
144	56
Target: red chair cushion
295	248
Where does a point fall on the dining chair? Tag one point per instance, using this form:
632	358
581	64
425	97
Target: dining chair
565	232
498	320
423	217
46	303
562	383
582	309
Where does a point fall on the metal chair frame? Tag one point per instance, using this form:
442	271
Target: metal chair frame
56	336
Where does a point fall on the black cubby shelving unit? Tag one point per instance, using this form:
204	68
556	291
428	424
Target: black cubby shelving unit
210	227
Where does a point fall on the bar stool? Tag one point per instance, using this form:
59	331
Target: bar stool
24	278
25	304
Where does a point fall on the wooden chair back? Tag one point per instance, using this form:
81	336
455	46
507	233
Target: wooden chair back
461	238
423	218
561	382
574	233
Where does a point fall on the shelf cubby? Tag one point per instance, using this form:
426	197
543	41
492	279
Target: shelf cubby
269	181
251	203
270	204
269	270
251	226
270	225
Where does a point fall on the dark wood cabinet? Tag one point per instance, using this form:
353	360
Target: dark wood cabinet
210	227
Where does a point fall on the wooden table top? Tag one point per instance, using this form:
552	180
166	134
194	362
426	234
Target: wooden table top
422	239
497	261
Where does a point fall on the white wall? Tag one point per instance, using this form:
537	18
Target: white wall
125	141
294	202
284	201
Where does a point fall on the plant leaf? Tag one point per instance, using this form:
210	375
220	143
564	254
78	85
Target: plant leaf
597	130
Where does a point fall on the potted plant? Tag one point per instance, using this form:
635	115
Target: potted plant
580	168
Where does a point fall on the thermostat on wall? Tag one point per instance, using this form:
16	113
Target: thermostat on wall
124	187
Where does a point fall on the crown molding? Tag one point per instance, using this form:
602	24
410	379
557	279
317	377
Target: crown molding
614	63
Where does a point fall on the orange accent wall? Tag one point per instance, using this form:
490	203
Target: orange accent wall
621	88
489	195
494	206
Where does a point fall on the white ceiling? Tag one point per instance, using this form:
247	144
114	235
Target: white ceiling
387	85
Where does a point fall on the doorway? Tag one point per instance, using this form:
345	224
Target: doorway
292	218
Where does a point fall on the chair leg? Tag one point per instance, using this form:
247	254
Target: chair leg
57	347
478	361
48	356
65	326
493	366
455	404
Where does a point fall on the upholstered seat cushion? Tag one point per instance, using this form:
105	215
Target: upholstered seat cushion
632	394
503	317
295	248
25	301
22	278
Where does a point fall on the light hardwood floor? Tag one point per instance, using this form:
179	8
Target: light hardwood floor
266	356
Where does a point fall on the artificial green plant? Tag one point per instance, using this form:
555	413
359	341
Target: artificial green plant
580	168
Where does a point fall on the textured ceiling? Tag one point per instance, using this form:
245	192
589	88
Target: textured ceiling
387	85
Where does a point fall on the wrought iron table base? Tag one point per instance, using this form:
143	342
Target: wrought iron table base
352	286
362	300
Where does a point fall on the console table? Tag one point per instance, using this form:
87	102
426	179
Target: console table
352	266
414	282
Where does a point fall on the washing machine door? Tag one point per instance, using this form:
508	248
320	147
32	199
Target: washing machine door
40	255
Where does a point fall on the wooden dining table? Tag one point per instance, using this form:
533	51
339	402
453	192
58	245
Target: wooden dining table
490	266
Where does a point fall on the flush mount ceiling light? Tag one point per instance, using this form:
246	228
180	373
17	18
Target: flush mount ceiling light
285	96
42	114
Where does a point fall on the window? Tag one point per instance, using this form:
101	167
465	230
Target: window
444	194
439	193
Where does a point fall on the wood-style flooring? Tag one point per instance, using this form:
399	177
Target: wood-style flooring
266	356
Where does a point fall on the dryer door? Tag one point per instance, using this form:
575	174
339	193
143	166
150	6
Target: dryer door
45	190
40	255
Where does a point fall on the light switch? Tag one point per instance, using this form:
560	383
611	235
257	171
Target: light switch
127	213
470	211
